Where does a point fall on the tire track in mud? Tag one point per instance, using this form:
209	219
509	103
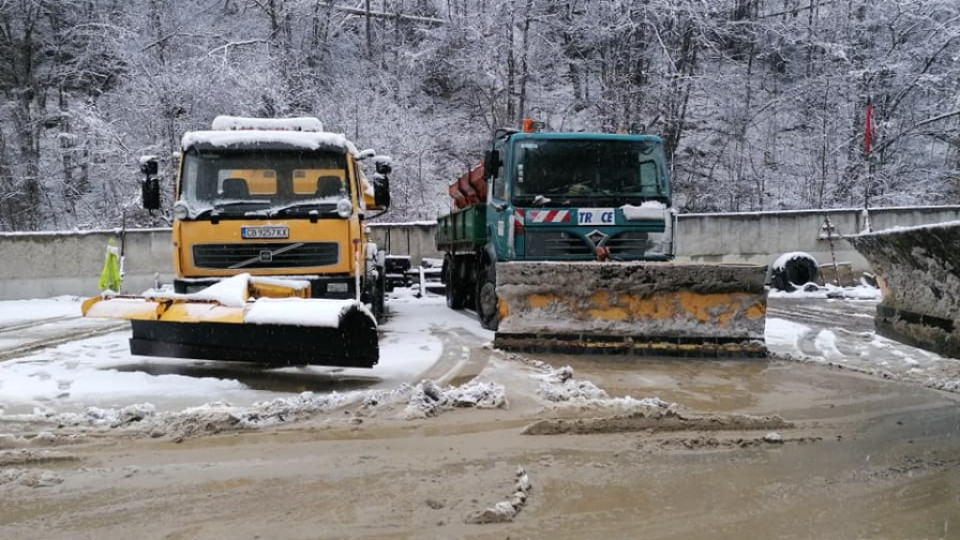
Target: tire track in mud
33	323
842	341
59	339
462	359
857	317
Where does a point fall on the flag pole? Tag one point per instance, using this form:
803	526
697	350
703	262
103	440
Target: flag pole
867	139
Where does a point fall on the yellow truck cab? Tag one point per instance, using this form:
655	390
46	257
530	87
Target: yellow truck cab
279	198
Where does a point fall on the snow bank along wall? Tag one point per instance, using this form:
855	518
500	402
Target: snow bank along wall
40	265
919	273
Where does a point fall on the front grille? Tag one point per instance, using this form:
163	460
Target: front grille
266	255
629	243
556	244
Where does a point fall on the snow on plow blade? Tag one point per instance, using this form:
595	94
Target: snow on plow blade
271	331
918	270
668	309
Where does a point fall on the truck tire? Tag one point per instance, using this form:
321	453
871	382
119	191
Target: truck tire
453	283
487	303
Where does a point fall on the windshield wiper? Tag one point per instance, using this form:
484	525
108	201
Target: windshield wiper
223	205
293	206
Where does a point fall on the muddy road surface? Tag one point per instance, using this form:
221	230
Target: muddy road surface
606	448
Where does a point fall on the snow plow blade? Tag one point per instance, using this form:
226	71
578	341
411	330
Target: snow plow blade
275	330
918	270
653	309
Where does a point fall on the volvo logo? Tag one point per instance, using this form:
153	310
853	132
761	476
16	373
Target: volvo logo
266	255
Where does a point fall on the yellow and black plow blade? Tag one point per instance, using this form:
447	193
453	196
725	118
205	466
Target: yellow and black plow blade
227	322
649	308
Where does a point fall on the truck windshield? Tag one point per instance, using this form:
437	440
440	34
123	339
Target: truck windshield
559	172
240	182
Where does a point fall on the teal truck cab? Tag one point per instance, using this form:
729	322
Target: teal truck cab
554	197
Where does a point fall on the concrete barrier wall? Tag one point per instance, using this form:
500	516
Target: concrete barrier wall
41	265
762	237
414	239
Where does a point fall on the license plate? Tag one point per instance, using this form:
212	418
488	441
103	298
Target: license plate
337	287
272	231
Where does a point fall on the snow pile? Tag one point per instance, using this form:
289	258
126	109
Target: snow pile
319	312
96	416
297	139
812	290
24	477
505	511
947	385
230	292
560	385
303	123
427	399
782	260
9	441
424	400
208	418
648	210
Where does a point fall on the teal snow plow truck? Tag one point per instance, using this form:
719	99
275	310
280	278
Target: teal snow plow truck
564	242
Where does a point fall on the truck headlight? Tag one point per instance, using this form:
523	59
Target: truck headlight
344	208
180	211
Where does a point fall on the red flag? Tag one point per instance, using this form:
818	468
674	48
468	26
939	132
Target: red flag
869	127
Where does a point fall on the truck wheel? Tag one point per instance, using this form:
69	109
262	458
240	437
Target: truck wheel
452	285
487	299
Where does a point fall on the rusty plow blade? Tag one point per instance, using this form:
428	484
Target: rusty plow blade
918	269
655	309
215	324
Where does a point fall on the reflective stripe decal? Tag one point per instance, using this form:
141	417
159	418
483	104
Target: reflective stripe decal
548	216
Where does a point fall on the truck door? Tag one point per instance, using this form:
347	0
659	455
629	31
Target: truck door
500	220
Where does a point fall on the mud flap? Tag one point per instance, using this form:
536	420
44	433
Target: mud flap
662	309
918	270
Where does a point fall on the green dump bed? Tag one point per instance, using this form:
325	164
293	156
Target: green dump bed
462	230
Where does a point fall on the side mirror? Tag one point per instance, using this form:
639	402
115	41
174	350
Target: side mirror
491	162
382	165
148	165
381	190
150	187
150	193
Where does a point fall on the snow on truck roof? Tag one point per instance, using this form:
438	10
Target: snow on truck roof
301	133
303	123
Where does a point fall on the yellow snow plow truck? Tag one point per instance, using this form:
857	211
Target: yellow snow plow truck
271	254
564	242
